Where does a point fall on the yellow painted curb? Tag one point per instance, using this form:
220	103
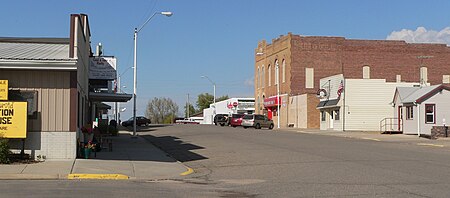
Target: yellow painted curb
97	176
425	144
189	171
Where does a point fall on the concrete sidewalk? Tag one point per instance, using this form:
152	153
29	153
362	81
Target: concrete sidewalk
377	136
131	158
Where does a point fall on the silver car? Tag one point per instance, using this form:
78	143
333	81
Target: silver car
257	121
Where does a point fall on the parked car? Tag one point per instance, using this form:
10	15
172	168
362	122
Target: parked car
221	119
140	120
257	121
236	120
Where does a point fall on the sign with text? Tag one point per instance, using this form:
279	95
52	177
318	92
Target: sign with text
102	68
13	119
3	89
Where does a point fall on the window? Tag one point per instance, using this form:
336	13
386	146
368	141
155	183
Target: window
366	72
322	115
283	69
399	78
29	96
430	113
263	82
445	78
277	73
336	114
409	113
260	76
423	75
270	75
309	81
257	79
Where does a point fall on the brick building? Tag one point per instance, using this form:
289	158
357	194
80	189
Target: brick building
303	60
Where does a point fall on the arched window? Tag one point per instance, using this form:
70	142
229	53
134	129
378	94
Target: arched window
263	82
283	69
277	73
270	75
366	72
257	79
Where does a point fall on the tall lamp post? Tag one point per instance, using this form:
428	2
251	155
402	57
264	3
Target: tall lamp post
214	101
136	31
277	67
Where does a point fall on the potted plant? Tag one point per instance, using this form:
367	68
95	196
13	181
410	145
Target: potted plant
88	149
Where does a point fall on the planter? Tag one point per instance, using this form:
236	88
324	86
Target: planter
87	153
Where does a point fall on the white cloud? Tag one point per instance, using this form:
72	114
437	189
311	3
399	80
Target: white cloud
250	82
421	35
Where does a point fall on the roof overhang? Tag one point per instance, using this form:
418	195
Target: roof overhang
66	65
328	104
109	97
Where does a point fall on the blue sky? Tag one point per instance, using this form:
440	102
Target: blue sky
216	37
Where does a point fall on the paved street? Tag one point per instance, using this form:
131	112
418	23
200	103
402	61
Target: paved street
236	162
266	163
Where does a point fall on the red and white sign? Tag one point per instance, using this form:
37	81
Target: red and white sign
271	102
230	105
235	104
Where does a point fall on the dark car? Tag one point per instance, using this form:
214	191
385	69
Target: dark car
257	121
221	119
140	120
236	120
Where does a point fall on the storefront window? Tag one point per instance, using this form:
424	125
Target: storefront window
322	115
336	114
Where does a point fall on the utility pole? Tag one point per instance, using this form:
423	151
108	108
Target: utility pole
187	107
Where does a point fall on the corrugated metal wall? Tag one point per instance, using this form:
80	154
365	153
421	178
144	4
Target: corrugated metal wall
53	97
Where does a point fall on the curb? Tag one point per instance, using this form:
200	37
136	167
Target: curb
98	176
188	172
30	177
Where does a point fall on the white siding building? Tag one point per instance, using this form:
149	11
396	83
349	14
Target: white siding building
360	106
229	106
421	108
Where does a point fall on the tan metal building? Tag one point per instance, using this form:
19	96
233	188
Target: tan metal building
51	74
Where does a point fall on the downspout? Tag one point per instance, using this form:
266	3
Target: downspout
418	118
343	107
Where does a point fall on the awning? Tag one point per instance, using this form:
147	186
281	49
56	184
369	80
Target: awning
109	97
328	103
102	106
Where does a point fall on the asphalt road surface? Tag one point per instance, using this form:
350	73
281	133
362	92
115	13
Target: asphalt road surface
269	163
237	162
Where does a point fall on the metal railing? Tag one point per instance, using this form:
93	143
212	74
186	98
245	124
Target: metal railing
391	125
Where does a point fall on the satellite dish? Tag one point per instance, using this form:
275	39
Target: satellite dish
321	93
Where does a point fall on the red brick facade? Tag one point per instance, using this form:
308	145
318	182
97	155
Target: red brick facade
335	55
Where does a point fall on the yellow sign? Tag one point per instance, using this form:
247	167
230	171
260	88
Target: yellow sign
3	89
13	119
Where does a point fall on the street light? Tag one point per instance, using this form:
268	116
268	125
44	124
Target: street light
214	101
277	67
136	31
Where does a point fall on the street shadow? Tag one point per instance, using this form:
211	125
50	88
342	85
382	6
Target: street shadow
151	127
176	148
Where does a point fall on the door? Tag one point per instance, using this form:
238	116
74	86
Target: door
400	118
331	119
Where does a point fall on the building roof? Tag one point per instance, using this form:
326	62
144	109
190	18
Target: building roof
14	50
418	94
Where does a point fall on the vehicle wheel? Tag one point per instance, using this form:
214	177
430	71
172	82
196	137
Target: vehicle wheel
234	126
222	124
245	127
257	126
271	126
146	124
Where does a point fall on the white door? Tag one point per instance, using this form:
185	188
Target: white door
331	119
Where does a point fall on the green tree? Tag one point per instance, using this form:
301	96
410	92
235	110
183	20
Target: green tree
205	99
161	110
192	110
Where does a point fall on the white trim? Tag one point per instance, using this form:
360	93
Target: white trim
39	65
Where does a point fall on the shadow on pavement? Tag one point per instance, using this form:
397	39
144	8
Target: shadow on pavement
175	147
143	128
